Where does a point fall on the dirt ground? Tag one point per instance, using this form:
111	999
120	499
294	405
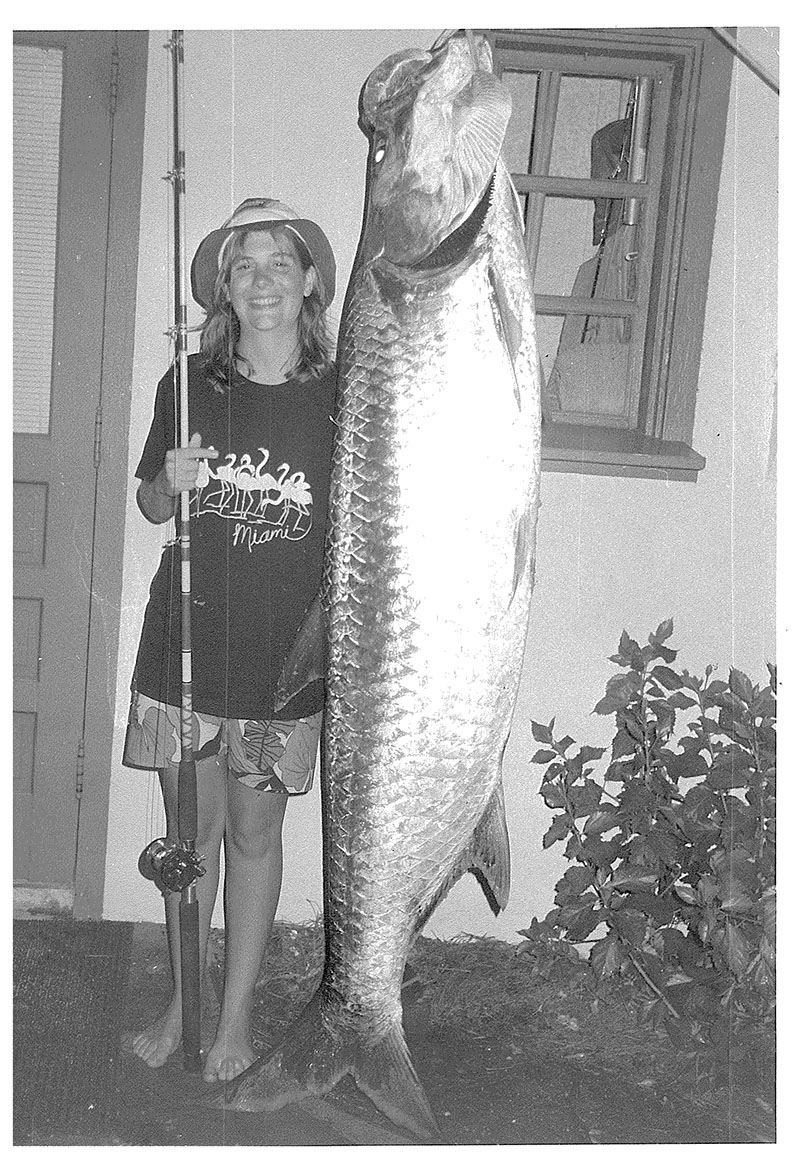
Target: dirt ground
505	1058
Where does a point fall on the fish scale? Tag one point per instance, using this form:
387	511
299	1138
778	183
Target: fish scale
429	565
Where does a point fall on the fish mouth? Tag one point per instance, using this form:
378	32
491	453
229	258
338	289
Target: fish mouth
458	244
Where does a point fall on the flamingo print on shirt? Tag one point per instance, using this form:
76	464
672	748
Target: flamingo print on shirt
265	505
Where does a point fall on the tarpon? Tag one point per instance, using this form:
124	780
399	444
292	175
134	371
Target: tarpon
429	563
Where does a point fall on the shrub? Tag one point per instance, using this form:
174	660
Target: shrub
672	848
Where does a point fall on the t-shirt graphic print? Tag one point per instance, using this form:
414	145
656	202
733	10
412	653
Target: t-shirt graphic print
265	506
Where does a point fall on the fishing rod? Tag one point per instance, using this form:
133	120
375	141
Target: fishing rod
175	866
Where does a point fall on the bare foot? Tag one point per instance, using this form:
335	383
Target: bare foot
156	1043
231	1053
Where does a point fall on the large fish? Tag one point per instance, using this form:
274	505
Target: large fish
429	565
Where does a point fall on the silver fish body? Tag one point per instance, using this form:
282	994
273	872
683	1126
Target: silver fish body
429	572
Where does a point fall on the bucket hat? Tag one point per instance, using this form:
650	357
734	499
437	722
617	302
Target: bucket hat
255	212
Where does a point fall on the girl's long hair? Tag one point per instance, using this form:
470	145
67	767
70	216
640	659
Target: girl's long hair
219	333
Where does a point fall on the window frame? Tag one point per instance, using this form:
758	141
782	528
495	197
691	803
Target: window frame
701	66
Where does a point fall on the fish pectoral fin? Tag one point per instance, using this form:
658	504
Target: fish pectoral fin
508	325
305	662
489	854
524	548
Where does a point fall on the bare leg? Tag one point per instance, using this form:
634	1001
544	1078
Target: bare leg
157	1042
253	872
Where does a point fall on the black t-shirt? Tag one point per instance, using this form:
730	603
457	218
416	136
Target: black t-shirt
257	528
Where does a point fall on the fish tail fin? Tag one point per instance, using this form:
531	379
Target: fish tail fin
385	1073
318	1051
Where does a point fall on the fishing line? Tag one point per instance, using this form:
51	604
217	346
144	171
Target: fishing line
97	459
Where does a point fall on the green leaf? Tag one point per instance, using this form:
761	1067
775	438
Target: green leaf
551	772
585	798
623	744
607	957
631	925
574	883
735	949
618	770
541	732
741	685
707	888
637	800
632	724
604	819
634	877
580	917
662	632
681	700
730	769
764	703
684	765
601	852
627	652
619	691
589	754
554	796
543	756
686	893
668	678
660	845
557	831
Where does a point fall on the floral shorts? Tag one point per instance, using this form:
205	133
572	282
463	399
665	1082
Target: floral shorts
277	756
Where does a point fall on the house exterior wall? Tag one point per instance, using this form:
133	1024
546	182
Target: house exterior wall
275	113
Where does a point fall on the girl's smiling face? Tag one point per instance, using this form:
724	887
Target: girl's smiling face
268	284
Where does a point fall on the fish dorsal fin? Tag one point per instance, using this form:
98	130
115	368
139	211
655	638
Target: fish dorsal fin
305	662
480	115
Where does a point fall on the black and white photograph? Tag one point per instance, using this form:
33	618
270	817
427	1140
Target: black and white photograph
395	571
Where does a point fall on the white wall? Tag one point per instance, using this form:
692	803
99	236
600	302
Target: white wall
612	553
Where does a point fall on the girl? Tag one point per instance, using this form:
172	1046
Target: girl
258	465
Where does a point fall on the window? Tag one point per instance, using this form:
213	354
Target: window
615	147
37	142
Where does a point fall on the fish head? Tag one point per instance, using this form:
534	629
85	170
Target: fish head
436	120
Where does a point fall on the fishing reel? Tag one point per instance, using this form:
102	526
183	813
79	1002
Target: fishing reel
170	865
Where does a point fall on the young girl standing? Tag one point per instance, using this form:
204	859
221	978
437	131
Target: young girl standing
258	465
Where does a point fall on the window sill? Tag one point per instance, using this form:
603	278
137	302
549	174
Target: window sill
589	450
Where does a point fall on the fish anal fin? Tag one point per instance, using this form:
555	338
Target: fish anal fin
305	662
489	854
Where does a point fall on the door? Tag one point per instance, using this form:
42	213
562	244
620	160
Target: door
78	118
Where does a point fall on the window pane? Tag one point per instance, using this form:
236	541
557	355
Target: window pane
519	135
586	363
571	263
593	127
37	128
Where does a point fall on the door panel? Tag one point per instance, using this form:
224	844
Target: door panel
59	475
